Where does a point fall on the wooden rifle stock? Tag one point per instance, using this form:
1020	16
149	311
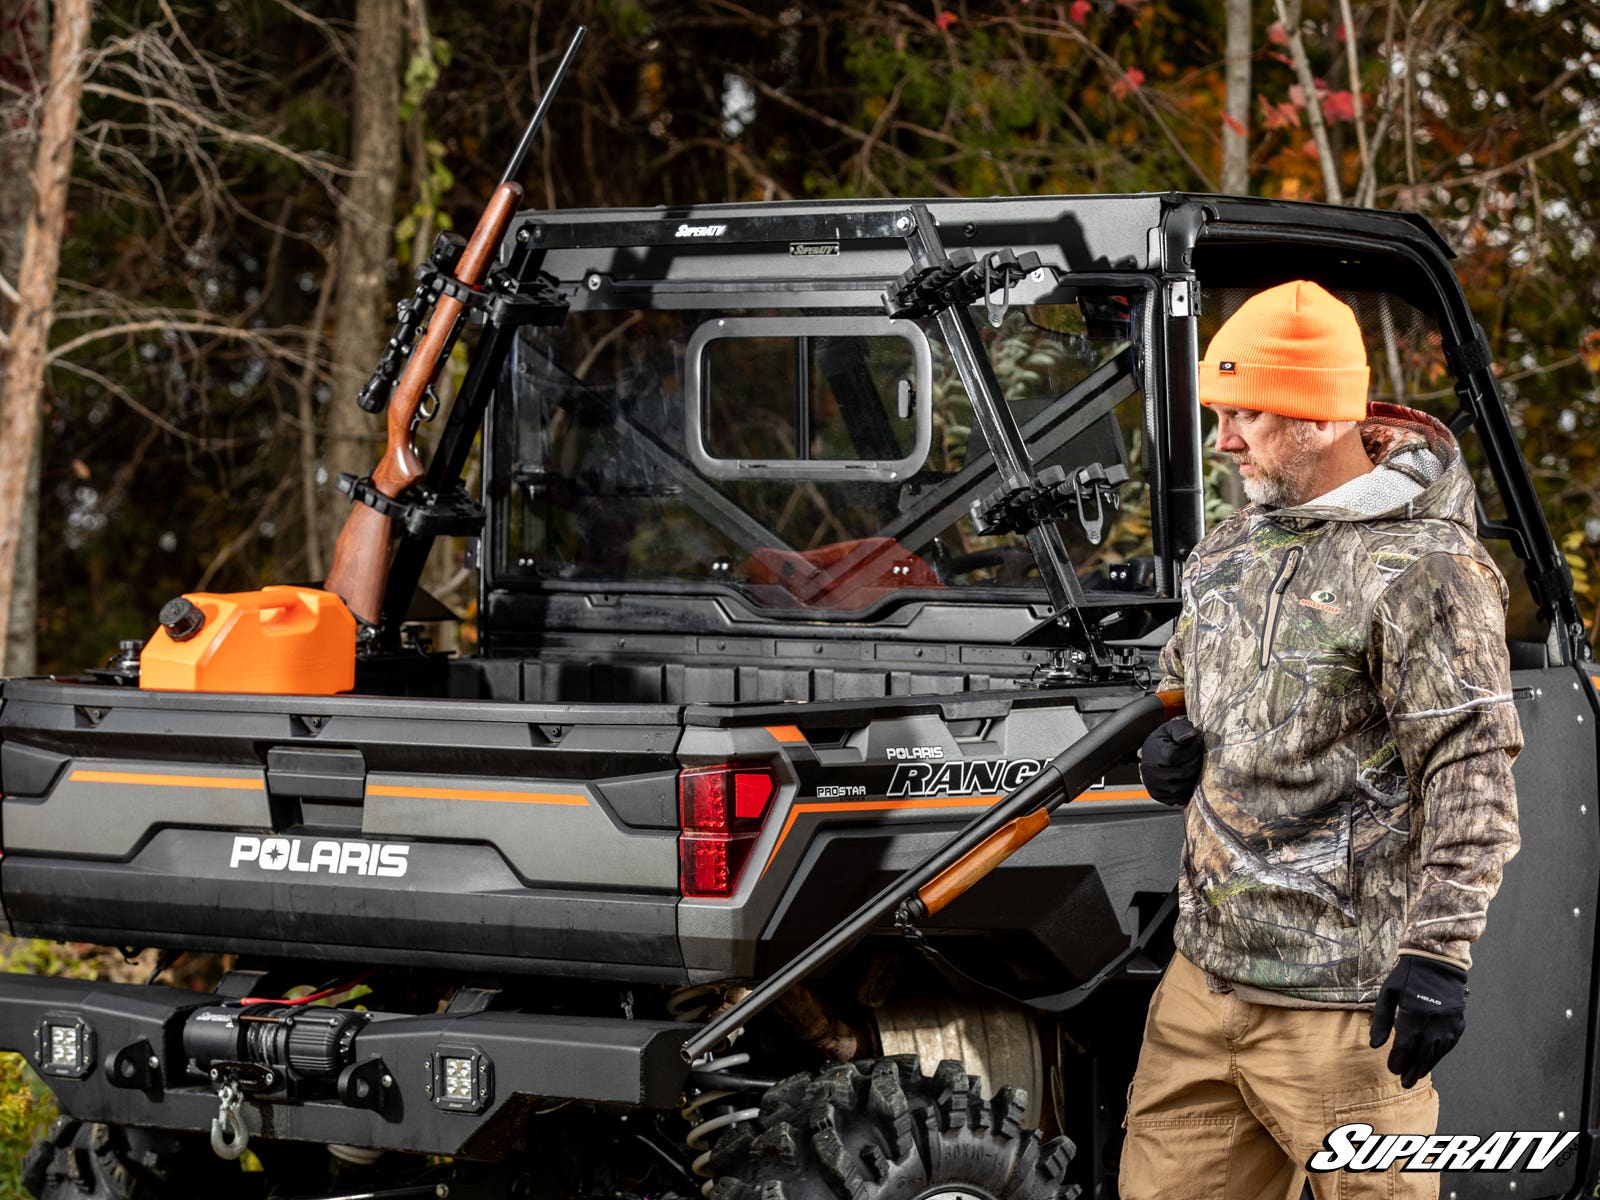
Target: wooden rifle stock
1000	845
987	841
360	569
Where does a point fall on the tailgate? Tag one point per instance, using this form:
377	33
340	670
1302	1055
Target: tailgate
500	836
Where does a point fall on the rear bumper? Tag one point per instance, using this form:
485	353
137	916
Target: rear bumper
133	1069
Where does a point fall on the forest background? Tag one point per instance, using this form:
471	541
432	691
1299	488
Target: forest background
208	211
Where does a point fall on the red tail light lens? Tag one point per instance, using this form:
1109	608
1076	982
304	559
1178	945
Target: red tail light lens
720	809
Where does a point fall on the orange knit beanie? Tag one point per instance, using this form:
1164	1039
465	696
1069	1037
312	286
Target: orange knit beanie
1294	350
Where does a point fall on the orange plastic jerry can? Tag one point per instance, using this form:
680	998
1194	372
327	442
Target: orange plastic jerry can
279	640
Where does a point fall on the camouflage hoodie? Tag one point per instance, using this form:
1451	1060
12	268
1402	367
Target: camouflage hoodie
1347	667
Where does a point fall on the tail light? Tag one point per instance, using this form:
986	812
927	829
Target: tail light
720	810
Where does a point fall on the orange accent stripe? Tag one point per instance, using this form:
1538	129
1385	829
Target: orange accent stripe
1595	679
193	781
785	733
422	793
1120	794
933	802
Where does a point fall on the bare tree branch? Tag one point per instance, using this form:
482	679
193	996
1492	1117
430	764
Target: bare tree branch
1308	85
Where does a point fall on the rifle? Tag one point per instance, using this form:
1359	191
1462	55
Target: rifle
987	841
362	555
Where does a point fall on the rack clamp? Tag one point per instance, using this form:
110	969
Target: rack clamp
503	301
425	513
1088	491
962	279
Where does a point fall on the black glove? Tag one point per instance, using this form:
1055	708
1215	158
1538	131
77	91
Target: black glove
1170	761
1425	1002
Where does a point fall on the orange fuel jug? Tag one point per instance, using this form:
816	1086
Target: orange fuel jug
279	640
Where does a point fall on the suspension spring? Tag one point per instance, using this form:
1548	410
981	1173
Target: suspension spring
693	1003
705	1123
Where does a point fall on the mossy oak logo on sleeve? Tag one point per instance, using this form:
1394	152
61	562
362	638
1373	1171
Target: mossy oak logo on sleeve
1322	601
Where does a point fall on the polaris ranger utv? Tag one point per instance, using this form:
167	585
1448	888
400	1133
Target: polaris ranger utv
807	532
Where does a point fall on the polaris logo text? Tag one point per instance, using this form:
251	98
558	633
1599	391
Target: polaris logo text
981	778
694	231
307	857
1353	1147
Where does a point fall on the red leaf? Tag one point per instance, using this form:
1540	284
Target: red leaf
1588	350
1297	95
1309	148
1129	83
1338	106
1232	122
944	20
1079	12
1277	35
1283	115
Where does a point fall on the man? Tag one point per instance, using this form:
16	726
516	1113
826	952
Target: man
1342	652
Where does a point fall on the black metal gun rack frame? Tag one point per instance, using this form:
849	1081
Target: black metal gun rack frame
939	285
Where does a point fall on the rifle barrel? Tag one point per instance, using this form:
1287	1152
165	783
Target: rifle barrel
514	168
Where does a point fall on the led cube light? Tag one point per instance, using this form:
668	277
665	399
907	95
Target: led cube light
461	1078
63	1045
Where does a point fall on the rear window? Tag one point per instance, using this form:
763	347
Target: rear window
814	461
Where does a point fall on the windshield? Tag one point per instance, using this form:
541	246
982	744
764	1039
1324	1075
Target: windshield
822	462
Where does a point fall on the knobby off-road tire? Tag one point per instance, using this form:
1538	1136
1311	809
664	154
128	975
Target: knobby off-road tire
78	1160
884	1131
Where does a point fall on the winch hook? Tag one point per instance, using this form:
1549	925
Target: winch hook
229	1137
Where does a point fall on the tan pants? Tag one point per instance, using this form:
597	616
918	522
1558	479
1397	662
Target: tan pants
1231	1099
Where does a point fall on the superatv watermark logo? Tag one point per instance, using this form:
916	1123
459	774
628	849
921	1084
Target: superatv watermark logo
1354	1147
697	231
304	856
978	778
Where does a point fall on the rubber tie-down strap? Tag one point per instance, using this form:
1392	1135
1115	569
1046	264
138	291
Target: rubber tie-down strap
1469	356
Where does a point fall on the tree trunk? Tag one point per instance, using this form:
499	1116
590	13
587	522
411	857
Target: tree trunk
24	45
29	334
1236	145
362	315
1289	14
1236	130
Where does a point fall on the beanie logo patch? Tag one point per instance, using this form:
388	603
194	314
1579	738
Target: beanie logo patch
1228	368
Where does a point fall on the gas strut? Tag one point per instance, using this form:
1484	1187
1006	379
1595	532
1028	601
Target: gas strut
987	841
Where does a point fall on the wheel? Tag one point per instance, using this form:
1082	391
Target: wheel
884	1131
82	1161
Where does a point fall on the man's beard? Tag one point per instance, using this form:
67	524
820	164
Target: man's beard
1288	484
